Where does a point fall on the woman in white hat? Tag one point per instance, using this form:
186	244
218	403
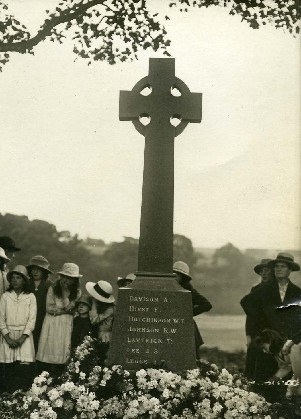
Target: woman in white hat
38	270
55	340
103	309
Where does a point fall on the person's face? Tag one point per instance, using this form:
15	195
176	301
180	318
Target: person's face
264	273
82	308
66	281
10	254
37	273
179	278
17	281
282	270
266	347
127	282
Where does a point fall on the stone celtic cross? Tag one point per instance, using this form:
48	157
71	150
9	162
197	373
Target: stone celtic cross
153	324
160	106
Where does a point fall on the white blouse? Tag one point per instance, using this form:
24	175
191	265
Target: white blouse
17	312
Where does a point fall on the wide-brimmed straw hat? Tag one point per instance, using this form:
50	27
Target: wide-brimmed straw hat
262	264
8	244
129	278
70	269
3	255
19	269
85	299
182	268
40	262
286	258
101	291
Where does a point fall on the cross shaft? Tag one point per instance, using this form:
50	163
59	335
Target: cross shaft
156	225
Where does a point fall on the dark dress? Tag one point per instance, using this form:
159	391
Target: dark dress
81	328
40	294
199	305
262	307
259	365
266	306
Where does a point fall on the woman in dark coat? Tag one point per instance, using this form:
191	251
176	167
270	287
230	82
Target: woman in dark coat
275	304
199	303
39	271
259	365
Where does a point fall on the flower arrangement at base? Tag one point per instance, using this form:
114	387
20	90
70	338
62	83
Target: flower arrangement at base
91	390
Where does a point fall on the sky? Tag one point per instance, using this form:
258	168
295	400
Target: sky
67	159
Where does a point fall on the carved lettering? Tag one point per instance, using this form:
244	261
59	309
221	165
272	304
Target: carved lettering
136	361
144	329
178	321
144	340
144	299
170	330
139	309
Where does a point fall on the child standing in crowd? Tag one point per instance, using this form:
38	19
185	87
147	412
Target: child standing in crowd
81	323
17	320
55	339
102	311
39	271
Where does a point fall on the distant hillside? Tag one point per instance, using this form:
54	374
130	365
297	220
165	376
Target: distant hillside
226	274
223	275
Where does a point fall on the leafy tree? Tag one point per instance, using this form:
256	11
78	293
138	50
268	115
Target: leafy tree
114	30
229	259
120	258
38	237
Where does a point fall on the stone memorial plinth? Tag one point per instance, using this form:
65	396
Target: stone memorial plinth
153	327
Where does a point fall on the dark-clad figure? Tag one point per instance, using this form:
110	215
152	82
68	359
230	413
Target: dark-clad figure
275	304
252	326
39	271
199	303
282	297
4	284
259	365
9	246
81	324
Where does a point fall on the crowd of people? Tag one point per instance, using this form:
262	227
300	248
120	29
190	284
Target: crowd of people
273	325
42	320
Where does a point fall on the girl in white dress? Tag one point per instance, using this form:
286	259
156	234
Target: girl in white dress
17	320
55	339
